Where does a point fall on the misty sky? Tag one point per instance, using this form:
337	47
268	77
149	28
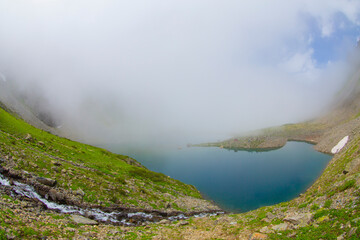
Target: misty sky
138	71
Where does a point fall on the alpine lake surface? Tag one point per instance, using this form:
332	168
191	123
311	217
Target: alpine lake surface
238	181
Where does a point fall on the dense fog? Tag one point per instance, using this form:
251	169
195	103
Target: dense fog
141	72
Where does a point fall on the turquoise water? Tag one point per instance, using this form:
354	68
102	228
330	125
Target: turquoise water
240	181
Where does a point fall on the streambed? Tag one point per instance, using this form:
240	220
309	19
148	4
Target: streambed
115	217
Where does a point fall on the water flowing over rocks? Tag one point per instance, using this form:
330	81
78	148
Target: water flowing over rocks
55	200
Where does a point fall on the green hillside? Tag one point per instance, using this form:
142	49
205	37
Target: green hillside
103	177
329	209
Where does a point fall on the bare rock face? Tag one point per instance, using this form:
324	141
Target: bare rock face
83	220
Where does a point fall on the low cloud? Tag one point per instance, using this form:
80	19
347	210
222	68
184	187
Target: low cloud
145	71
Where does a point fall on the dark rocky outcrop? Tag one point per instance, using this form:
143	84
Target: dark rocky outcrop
47	181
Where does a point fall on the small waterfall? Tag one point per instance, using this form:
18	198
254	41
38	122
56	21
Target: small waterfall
97	214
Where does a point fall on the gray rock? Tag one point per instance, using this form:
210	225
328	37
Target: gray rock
301	219
47	181
80	192
165	221
83	220
56	196
281	227
270	216
182	223
265	230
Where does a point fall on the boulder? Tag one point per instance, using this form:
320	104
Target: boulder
83	220
165	221
56	196
281	227
301	219
47	181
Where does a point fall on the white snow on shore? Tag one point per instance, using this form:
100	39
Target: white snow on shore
340	145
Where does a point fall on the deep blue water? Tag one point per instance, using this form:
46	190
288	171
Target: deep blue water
240	181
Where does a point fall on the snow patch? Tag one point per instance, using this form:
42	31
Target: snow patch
340	145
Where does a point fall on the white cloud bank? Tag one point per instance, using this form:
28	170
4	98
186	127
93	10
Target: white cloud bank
133	71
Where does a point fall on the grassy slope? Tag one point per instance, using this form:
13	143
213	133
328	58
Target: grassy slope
105	177
333	200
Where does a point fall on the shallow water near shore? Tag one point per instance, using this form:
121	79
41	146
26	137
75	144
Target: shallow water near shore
239	181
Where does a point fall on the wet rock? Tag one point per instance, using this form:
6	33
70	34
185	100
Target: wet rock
56	196
301	219
47	181
281	227
257	236
83	220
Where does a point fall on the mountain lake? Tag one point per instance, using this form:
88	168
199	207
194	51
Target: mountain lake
239	181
